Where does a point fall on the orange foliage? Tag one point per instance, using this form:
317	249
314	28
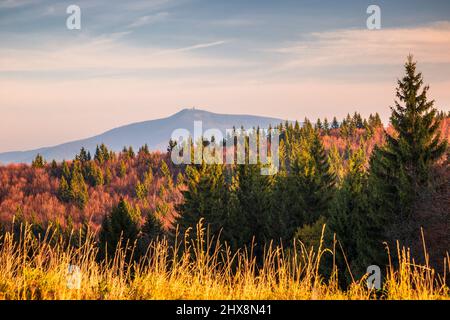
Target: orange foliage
33	193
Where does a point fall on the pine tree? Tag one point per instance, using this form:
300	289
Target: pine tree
65	171
144	150
78	188
400	169
404	163
83	156
102	154
205	197
151	230
336	163
54	169
326	126
107	176
94	174
335	124
349	215
251	216
167	175
318	125
180	180
120	227
313	181
64	190
38	162
141	191
130	152
122	169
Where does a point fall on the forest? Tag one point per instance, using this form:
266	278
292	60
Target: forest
353	185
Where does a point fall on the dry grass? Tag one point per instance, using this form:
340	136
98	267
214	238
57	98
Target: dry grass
198	269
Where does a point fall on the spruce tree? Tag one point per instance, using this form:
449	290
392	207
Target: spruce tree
151	230
326	126
78	188
400	170
120	227
64	190
312	179
334	124
205	197
348	217
404	163
38	162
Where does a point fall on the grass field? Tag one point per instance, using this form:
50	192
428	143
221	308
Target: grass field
34	269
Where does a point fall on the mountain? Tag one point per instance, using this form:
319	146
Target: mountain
156	133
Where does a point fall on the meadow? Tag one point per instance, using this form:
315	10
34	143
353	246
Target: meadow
203	268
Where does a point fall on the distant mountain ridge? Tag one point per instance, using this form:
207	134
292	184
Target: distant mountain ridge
156	133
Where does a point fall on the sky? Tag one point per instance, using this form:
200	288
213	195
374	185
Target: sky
139	60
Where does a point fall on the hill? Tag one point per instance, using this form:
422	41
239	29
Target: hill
154	133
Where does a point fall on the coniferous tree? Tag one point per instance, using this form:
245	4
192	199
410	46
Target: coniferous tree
84	156
119	228
326	126
38	162
318	125
144	150
180	179
102	154
403	164
336	163
141	191
167	174
311	183
122	169
151	230
348	218
65	171
64	190
54	170
78	188
94	174
205	197
334	124
107	176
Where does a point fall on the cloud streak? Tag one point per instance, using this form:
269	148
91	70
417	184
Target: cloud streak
430	44
107	53
150	19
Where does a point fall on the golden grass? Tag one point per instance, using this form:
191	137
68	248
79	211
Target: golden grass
204	269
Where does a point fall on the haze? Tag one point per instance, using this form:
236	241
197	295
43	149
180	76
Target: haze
144	60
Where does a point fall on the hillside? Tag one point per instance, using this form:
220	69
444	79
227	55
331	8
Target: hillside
154	133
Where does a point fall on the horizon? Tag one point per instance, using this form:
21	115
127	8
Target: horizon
145	59
148	120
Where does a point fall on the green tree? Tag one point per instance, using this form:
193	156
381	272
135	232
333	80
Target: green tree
167	175
64	190
94	174
151	230
122	169
349	217
403	164
119	228
78	188
102	154
84	156
141	191
326	126
334	124
65	171
38	162
205	197
313	179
